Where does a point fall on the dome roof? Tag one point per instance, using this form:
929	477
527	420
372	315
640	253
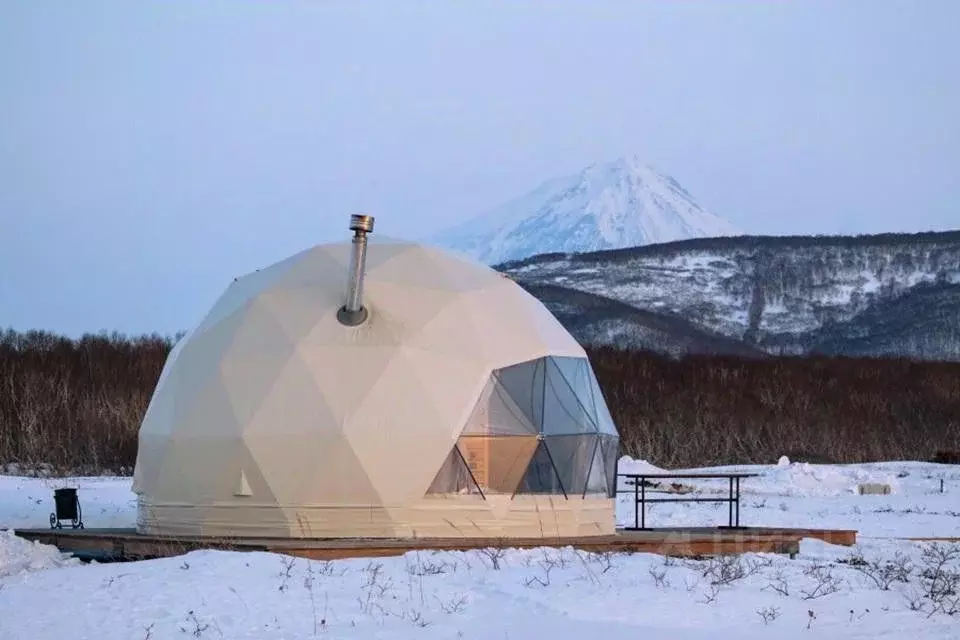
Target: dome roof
272	417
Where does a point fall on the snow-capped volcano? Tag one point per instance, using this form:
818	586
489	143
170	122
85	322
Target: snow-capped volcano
609	205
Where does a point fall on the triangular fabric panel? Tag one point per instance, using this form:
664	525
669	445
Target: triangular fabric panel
524	384
496	413
597	478
259	339
571	456
497	462
454	477
541	475
563	412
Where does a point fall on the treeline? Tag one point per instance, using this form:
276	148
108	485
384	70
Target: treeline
76	405
703	409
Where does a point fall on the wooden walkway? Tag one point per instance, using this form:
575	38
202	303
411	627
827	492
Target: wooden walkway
127	544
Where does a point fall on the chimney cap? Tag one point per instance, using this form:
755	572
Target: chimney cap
361	223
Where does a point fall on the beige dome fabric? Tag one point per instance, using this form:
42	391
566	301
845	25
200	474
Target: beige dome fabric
460	408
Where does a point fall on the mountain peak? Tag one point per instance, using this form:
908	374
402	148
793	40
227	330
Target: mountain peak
633	163
608	205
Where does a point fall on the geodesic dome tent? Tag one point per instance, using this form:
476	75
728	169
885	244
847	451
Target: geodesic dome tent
425	395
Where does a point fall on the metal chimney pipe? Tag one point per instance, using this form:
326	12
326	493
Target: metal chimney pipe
353	312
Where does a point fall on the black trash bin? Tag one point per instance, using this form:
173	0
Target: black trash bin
66	502
67	508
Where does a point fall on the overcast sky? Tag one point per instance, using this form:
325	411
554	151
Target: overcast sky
151	151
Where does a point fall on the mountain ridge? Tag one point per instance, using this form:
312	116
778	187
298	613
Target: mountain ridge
757	240
892	294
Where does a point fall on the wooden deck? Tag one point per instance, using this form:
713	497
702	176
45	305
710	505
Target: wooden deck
127	544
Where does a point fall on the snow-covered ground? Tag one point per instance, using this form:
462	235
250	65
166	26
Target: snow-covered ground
543	593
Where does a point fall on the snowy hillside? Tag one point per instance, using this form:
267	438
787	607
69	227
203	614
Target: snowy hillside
888	586
893	294
610	205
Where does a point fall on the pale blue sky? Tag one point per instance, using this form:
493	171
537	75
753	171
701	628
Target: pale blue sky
151	151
